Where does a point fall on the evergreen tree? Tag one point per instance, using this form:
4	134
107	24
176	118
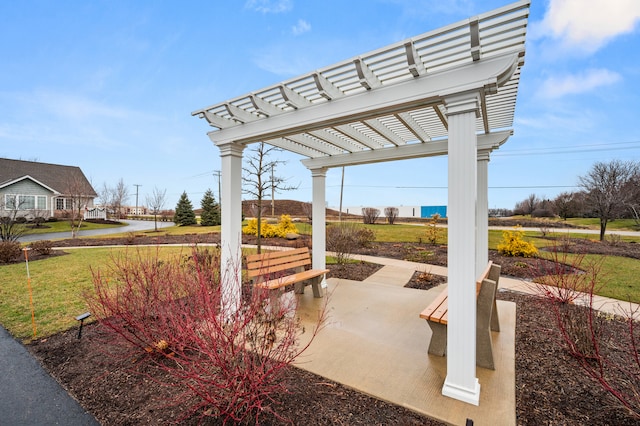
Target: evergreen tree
184	212
210	215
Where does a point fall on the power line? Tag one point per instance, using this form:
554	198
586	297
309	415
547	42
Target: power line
569	149
445	187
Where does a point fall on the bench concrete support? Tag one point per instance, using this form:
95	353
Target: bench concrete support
484	346
438	343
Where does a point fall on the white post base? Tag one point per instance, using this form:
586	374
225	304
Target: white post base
470	396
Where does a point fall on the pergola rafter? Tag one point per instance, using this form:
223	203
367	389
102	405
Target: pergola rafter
451	91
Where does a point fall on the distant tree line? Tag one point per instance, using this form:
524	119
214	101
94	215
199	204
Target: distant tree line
608	191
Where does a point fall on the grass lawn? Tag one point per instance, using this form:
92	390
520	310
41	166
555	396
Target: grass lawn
65	226
58	284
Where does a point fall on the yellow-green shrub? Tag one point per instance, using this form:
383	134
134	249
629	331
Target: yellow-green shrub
513	244
284	227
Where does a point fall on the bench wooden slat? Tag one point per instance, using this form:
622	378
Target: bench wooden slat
261	263
431	312
276	254
263	269
291	279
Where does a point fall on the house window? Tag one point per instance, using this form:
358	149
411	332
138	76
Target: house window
9	202
26	202
41	202
64	203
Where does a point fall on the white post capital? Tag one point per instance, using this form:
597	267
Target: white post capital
462	103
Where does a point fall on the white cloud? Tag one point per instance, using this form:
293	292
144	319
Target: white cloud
269	6
556	87
301	27
588	25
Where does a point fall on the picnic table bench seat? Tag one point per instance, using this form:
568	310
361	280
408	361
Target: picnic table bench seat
436	315
278	269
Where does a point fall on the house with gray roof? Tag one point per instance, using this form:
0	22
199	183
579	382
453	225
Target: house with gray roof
32	189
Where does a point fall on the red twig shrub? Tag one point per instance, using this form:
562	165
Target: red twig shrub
586	332
228	364
564	277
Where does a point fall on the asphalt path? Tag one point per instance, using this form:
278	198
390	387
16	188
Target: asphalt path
131	226
29	395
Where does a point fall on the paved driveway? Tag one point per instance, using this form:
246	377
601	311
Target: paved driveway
131	226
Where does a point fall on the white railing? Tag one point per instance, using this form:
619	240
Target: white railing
95	213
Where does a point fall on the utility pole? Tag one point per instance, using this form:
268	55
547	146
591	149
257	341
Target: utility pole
217	173
341	191
137	188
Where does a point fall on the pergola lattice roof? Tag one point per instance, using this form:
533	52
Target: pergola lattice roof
436	58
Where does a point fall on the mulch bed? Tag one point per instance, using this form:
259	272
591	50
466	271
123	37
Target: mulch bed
550	386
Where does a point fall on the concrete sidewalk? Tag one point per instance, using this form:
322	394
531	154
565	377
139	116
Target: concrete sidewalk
391	273
29	395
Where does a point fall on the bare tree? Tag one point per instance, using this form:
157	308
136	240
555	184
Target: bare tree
632	188
78	196
391	213
530	203
11	229
113	198
259	177
307	209
604	186
105	194
120	196
370	215
156	201
566	204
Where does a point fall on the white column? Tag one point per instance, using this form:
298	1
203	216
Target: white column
482	213
231	229
461	382
319	220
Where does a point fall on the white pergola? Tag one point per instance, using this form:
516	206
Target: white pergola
451	92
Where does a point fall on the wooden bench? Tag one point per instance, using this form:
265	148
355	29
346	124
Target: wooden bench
487	321
278	269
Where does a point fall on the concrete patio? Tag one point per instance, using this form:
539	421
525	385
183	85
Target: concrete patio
374	341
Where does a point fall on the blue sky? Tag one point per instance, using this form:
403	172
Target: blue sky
109	86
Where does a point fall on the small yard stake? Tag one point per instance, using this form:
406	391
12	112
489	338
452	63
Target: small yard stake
33	314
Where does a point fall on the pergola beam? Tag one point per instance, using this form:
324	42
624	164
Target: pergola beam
486	143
